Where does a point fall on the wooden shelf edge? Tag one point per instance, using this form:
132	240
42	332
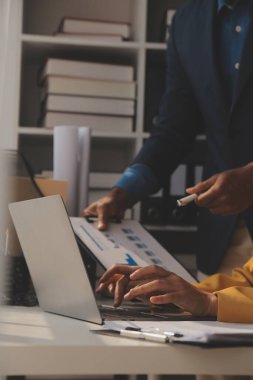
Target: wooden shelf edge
42	39
49	132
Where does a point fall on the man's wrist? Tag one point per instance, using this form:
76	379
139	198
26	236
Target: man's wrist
120	196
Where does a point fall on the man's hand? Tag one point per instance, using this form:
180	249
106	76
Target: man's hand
226	193
159	286
112	205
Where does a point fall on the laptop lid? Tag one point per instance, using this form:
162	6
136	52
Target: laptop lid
53	258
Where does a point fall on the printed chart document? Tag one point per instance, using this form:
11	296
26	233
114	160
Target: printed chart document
209	334
126	242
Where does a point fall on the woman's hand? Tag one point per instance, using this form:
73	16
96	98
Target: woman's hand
159	287
117	281
164	287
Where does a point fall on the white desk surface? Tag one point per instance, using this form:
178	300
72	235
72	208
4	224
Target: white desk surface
33	342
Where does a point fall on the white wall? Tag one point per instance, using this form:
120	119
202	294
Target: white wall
10	33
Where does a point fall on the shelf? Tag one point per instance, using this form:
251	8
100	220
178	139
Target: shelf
49	132
49	40
31	41
38	48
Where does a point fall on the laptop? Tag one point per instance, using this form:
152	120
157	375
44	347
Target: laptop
57	267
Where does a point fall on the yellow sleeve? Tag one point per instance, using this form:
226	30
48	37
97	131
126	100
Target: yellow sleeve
235	294
235	304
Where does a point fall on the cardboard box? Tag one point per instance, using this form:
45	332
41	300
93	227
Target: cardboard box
50	186
22	188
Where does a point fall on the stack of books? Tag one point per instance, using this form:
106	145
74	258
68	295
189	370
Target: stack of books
100	30
98	95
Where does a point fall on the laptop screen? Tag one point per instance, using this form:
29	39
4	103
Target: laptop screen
59	276
20	186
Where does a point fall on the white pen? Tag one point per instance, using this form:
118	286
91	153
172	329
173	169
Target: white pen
152	337
185	200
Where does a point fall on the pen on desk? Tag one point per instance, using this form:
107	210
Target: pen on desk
164	337
152	337
156	330
185	200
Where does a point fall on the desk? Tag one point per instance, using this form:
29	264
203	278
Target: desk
36	343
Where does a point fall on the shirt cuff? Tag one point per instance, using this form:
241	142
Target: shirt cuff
138	181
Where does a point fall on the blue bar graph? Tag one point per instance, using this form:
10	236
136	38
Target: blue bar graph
130	260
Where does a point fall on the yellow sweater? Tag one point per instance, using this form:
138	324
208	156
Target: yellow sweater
235	294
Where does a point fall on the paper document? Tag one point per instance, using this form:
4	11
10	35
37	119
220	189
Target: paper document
200	333
105	249
126	242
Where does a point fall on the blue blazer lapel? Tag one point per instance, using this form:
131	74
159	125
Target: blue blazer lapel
246	64
210	59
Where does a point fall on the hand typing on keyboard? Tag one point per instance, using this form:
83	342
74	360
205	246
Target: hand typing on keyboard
157	286
117	281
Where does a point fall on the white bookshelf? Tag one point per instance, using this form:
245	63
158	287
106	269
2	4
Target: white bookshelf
29	36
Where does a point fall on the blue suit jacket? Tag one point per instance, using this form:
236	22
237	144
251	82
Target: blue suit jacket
194	99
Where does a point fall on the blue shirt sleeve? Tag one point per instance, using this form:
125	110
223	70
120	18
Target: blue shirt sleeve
138	181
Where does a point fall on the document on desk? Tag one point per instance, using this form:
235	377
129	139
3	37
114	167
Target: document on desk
126	242
209	334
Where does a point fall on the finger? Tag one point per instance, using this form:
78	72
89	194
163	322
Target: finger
117	269
209	198
147	289
107	284
149	271
89	211
120	289
111	288
202	186
103	286
162	299
215	201
102	215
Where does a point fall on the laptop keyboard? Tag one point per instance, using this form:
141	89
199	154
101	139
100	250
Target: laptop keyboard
144	313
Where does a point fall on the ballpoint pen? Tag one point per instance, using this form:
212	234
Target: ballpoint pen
161	337
185	200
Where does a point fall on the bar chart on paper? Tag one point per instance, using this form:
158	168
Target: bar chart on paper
126	242
106	250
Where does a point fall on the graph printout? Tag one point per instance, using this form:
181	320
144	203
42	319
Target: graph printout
126	242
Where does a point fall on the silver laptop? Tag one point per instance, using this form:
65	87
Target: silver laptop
57	269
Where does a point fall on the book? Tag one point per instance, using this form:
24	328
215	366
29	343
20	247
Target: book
91	36
75	25
99	180
89	87
84	69
82	104
97	123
